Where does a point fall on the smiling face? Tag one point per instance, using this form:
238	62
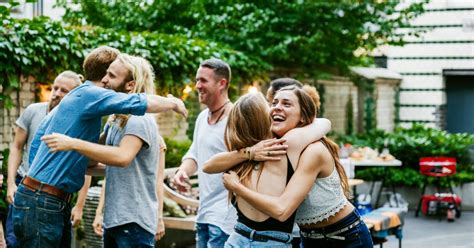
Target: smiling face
285	112
116	77
207	86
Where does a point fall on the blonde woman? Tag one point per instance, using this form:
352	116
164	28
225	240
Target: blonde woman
131	153
255	228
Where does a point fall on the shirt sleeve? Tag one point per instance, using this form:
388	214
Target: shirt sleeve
24	121
138	126
101	102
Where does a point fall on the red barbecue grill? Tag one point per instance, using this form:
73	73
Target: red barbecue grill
437	203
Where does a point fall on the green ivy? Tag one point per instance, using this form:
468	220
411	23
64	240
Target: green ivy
42	48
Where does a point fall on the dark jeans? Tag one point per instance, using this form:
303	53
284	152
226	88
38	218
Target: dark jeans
11	240
129	235
358	236
41	220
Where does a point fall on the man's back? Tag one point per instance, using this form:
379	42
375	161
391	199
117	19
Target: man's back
78	116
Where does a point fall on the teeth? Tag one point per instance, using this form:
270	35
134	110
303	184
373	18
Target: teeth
278	118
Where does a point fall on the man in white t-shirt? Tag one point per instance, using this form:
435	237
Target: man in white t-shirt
215	217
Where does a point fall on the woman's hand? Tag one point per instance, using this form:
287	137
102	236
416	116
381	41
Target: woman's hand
268	150
58	142
231	180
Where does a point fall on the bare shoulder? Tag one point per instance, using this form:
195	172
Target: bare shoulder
317	151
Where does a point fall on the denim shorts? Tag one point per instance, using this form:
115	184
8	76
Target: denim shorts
358	235
238	240
128	235
41	220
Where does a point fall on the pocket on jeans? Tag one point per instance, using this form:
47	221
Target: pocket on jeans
52	224
23	222
51	205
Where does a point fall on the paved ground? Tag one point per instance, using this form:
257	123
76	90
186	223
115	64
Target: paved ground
431	233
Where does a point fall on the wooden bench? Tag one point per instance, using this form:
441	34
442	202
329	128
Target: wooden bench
189	222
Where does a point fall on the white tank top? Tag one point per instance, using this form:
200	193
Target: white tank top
325	199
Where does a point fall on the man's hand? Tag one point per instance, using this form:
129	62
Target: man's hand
76	216
58	142
181	181
231	180
11	190
160	230
179	106
270	149
97	224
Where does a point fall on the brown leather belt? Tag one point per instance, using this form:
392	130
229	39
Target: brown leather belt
36	185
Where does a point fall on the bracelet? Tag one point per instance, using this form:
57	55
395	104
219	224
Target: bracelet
248	151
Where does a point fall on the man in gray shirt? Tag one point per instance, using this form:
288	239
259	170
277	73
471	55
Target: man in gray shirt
27	124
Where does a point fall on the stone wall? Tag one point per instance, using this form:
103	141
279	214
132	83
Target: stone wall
337	92
385	103
21	99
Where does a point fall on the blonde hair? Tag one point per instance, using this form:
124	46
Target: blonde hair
78	78
243	130
141	72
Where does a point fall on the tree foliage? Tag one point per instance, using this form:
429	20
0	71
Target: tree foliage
42	48
304	34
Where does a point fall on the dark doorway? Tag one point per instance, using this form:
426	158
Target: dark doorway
460	103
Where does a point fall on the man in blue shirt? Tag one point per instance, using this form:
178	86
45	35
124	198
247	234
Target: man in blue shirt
41	206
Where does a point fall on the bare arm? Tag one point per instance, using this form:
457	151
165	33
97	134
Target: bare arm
283	206
260	152
99	215
14	160
300	138
160	232
119	156
157	104
296	140
77	210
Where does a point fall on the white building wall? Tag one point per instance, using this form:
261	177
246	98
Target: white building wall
447	43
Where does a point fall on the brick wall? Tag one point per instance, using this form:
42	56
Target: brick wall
21	99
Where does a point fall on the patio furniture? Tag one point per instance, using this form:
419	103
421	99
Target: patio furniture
189	222
384	165
383	222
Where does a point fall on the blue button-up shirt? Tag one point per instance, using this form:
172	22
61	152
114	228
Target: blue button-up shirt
79	116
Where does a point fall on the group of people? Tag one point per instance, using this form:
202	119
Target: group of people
262	164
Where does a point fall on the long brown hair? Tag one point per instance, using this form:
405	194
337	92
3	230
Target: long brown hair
249	122
308	98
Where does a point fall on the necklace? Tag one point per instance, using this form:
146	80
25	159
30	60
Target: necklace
215	111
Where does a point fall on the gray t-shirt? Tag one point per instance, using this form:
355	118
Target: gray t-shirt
130	192
29	121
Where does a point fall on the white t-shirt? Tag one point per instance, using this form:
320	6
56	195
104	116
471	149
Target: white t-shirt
214	207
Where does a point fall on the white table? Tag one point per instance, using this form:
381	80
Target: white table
378	163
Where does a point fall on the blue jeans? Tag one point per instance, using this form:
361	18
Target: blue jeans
237	240
357	236
41	220
129	235
11	240
208	235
